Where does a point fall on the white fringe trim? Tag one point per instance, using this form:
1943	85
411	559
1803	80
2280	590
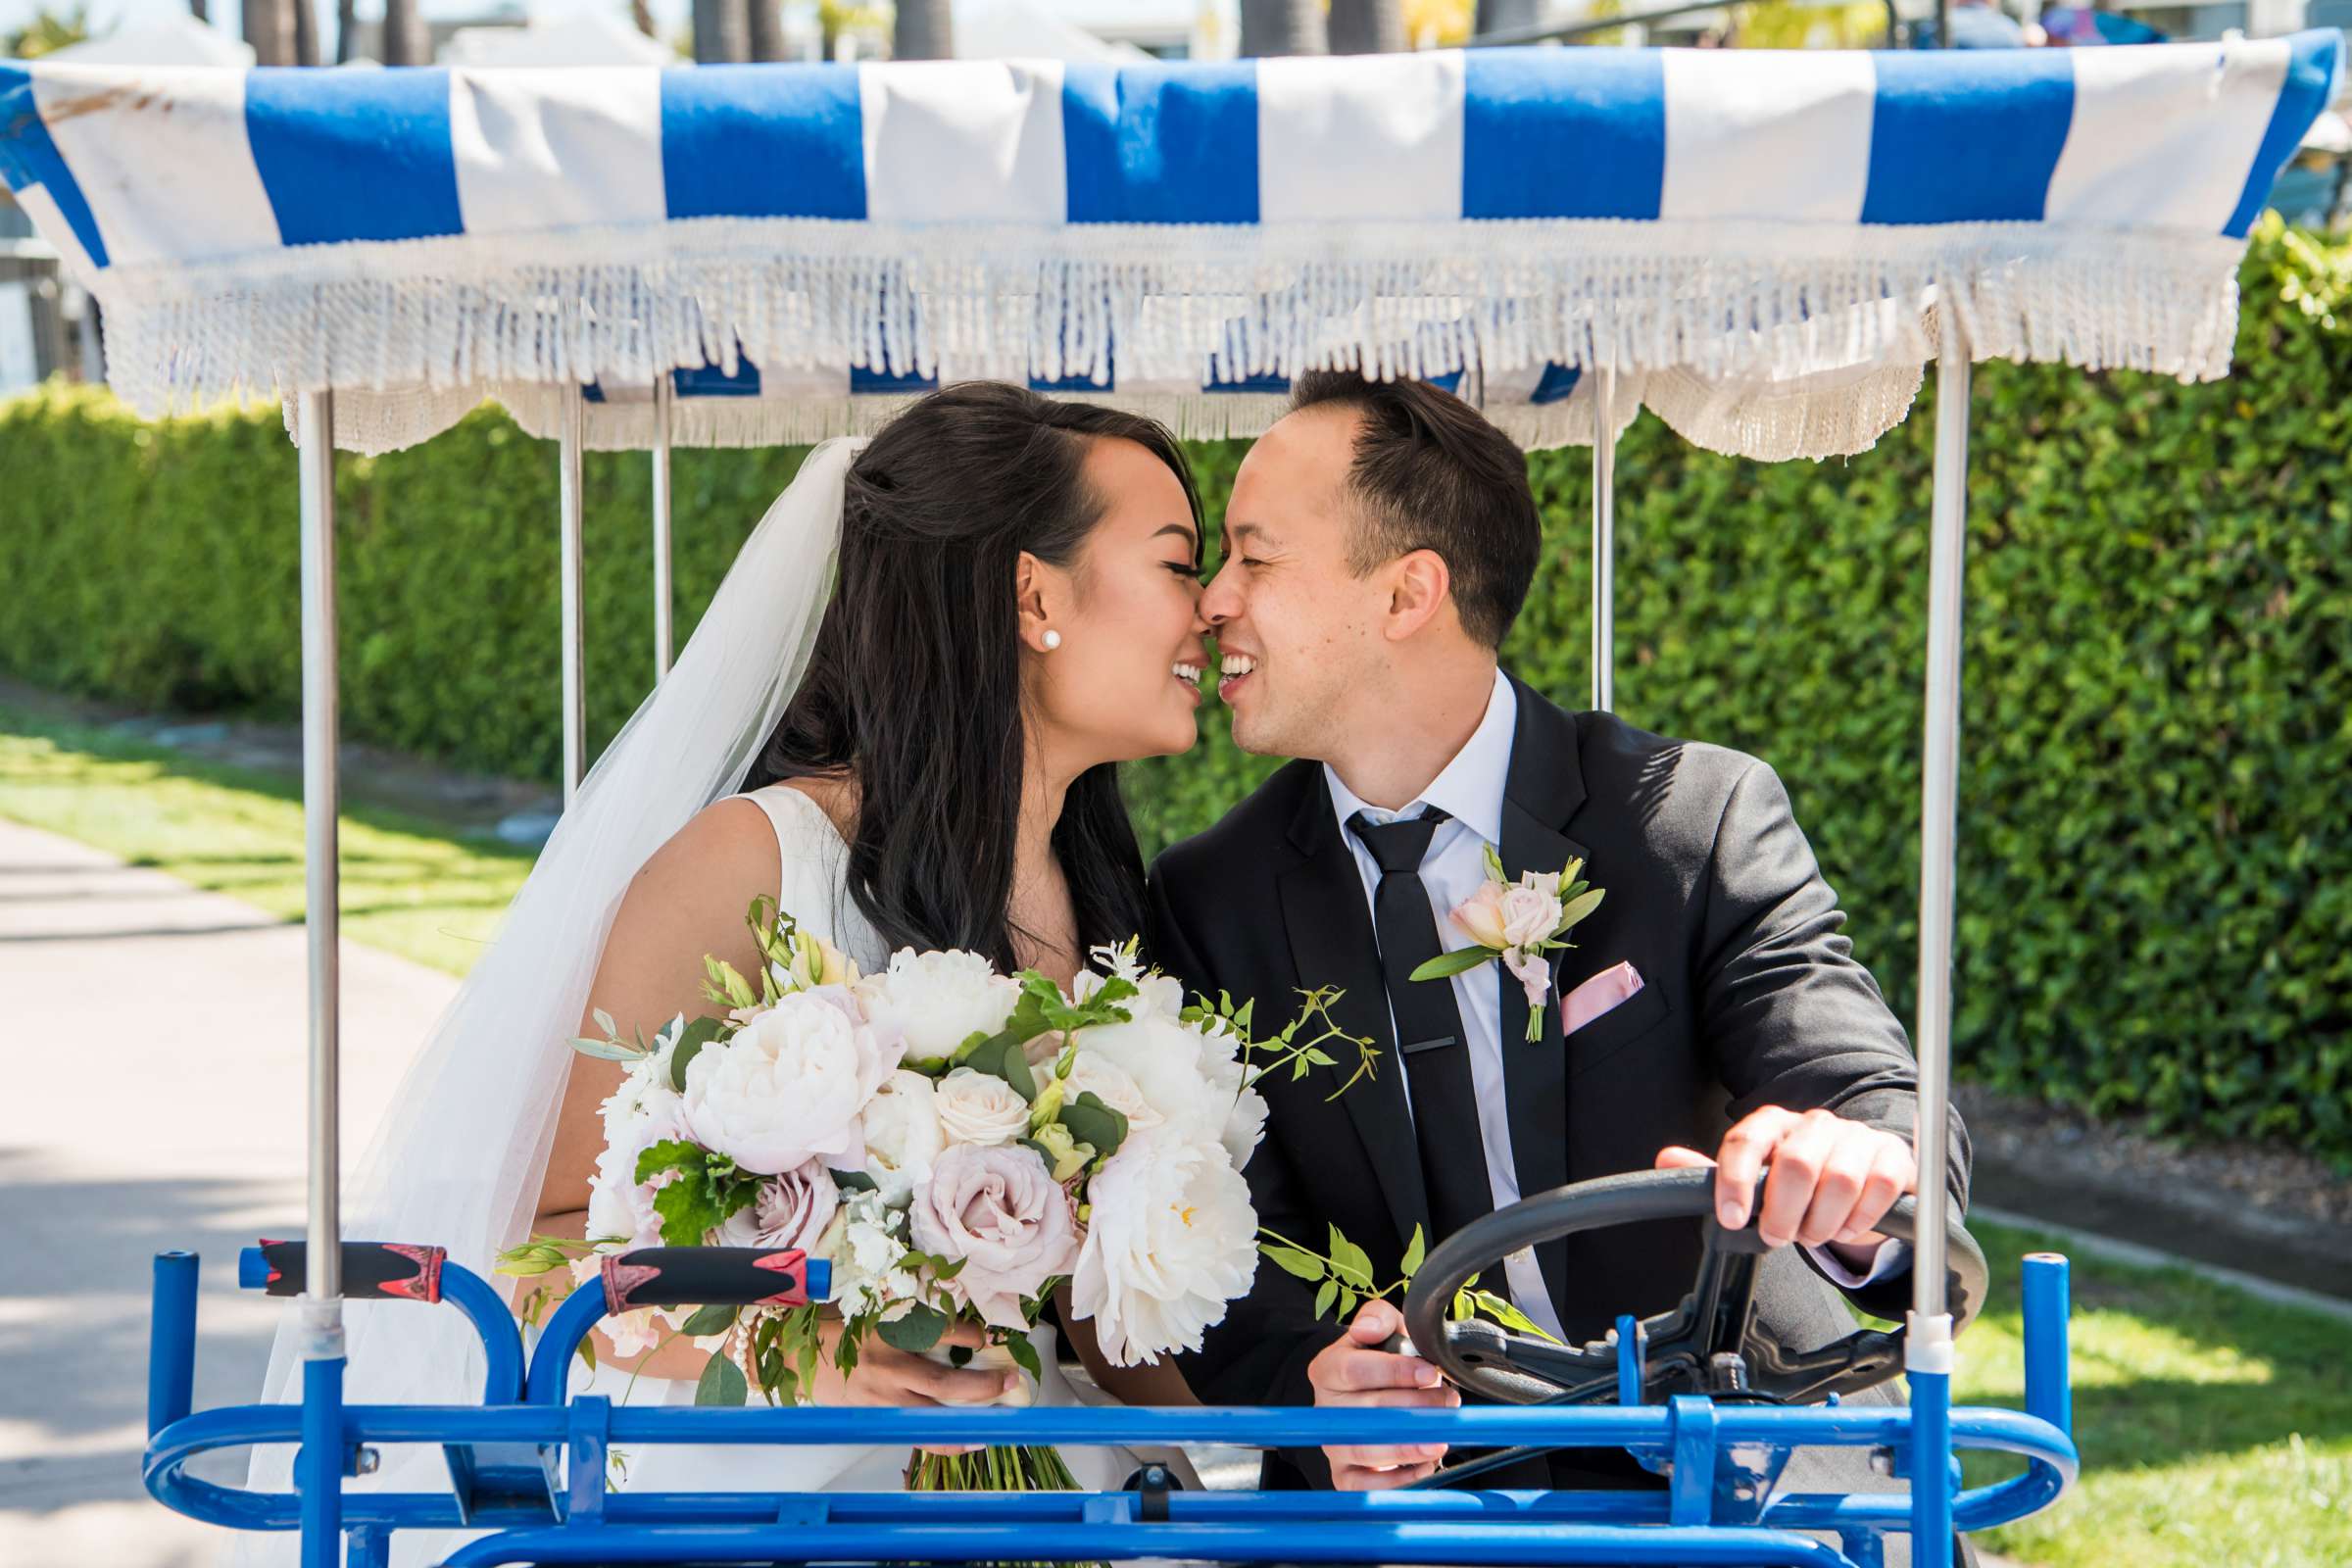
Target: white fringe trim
1723	303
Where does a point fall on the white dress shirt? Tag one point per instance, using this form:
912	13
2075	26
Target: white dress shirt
1469	790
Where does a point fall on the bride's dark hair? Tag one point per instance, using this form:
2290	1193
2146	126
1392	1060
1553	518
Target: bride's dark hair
914	685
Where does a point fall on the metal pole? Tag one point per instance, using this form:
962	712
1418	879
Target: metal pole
1927	1337
319	1464
567	488
1604	540
662	588
319	802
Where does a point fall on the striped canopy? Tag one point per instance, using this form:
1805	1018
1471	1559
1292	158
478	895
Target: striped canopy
1764	245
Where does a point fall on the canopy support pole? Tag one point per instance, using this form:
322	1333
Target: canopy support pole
568	487
1927	1337
661	585
1604	539
318	1467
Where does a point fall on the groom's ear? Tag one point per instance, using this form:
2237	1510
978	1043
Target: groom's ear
1419	587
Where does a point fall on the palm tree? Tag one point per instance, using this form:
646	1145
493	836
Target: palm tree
766	29
405	41
269	28
722	31
1507	16
1282	27
1368	27
923	29
306	33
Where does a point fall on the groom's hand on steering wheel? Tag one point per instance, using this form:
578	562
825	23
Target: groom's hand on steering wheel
1354	1370
1832	1179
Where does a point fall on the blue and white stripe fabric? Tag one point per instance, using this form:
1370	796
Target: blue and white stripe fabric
1761	242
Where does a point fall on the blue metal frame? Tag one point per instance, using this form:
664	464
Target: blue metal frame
530	1467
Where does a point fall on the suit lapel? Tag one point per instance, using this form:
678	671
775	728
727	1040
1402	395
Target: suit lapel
1543	791
1331	944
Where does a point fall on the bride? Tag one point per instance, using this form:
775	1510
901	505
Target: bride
901	717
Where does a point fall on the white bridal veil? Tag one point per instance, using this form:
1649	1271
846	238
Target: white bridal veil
460	1156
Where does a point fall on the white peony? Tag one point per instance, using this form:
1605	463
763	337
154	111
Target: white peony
978	1107
903	1135
1193	1078
1170	1240
938	1000
1093	1073
791	1085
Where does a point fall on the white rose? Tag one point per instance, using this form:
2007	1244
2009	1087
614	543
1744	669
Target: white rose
1170	1240
938	1000
1192	1078
978	1107
791	1085
903	1135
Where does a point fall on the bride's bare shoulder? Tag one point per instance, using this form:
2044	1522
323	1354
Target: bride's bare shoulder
724	854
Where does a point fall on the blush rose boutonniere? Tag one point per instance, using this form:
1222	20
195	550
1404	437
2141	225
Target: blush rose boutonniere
1521	923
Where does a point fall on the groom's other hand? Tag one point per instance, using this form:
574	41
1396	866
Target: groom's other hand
1833	1180
1354	1370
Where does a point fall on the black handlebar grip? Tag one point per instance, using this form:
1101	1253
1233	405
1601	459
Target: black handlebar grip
701	1276
372	1272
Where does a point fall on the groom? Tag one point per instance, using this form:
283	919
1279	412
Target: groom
1379	542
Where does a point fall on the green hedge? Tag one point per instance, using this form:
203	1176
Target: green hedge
2154	915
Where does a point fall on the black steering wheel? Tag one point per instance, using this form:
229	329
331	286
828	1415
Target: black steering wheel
1710	1344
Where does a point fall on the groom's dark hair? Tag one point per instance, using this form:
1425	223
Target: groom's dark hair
1430	474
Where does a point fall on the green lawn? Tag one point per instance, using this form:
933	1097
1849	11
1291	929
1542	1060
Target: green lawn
2216	1428
408	886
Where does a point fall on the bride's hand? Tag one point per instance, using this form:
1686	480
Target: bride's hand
887	1376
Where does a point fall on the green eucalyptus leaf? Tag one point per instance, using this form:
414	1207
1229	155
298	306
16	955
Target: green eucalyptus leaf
697	1034
722	1383
715	1318
1325	1296
914	1332
1091	1122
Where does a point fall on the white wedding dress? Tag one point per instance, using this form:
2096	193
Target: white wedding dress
813	889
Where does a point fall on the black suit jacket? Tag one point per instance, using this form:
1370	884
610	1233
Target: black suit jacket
1751	997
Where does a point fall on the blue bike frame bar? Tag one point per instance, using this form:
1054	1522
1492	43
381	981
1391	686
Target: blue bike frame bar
1429	1526
2050	1453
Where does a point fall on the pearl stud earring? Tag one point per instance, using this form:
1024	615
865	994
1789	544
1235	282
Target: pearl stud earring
1052	640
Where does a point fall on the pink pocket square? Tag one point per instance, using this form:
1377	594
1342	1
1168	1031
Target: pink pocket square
1597	996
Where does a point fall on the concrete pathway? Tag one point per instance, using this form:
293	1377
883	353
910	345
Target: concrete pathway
155	1046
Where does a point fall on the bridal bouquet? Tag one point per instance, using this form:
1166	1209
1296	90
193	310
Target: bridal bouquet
956	1144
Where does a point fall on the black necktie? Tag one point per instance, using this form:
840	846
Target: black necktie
1429	1027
